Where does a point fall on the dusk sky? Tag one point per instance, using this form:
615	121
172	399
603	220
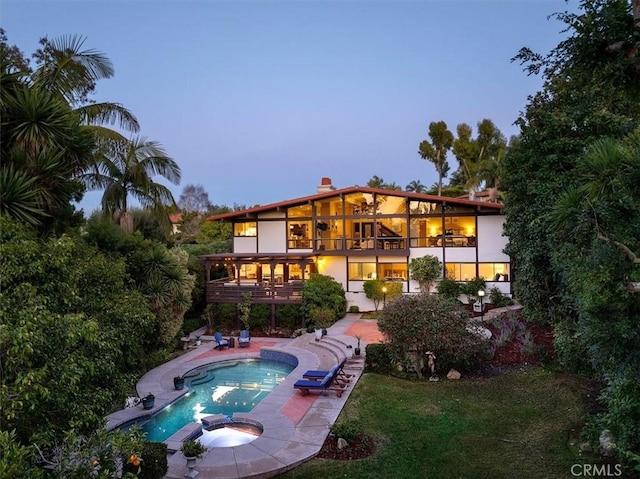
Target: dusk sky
257	100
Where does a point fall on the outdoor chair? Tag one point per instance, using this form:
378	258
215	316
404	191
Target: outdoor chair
244	339
328	383
340	377
220	341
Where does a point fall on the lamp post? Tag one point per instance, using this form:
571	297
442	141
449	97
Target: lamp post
481	296
384	297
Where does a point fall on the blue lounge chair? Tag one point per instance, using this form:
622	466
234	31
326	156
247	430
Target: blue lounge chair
244	339
327	383
337	370
220	341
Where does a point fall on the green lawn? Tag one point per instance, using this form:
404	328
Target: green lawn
515	425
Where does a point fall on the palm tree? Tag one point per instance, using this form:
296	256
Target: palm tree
71	73
49	130
416	187
44	147
375	182
436	151
127	168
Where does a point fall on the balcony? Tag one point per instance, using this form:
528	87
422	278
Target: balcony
230	291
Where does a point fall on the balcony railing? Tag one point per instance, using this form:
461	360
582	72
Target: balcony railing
225	291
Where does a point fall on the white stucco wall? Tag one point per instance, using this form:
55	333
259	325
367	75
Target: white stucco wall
491	242
272	236
245	244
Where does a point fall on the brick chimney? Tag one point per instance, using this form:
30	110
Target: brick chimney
325	185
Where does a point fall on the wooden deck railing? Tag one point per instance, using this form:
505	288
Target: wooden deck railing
227	292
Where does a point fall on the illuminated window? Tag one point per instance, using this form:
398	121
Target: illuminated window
299	211
494	271
392	271
249	228
362	271
461	271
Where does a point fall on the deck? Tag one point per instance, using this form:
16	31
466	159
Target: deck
225	291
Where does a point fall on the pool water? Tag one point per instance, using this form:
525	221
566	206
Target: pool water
224	388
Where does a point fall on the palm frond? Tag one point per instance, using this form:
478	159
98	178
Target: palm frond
108	114
20	197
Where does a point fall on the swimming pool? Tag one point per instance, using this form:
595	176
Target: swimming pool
224	387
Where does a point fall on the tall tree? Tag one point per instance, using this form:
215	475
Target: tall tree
127	168
416	187
375	182
50	128
194	199
436	150
477	155
591	91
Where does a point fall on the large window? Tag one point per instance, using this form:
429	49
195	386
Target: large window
494	271
250	228
461	271
299	211
362	271
425	231
386	271
392	271
300	234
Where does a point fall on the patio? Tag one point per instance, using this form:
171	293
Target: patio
294	426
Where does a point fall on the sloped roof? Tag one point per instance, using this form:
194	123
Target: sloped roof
252	212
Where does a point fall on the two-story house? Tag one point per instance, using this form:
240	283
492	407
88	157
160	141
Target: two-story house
354	234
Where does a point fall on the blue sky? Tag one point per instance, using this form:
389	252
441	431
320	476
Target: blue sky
257	100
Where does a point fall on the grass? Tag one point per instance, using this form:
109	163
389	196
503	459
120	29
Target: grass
513	425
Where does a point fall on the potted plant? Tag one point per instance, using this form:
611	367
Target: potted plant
192	450
198	342
178	382
148	401
356	351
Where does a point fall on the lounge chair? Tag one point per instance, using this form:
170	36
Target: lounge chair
337	371
244	339
220	341
328	383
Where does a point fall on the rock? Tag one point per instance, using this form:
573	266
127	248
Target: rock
607	443
585	447
453	374
342	444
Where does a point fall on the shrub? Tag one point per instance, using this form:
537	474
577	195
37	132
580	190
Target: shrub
425	271
347	430
449	288
260	317
354	308
321	291
154	461
289	316
373	289
498	298
471	288
221	316
322	317
419	323
378	358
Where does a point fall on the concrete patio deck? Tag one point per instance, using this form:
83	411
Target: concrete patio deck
294	426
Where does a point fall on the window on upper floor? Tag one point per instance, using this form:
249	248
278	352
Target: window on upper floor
300	211
248	228
328	206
